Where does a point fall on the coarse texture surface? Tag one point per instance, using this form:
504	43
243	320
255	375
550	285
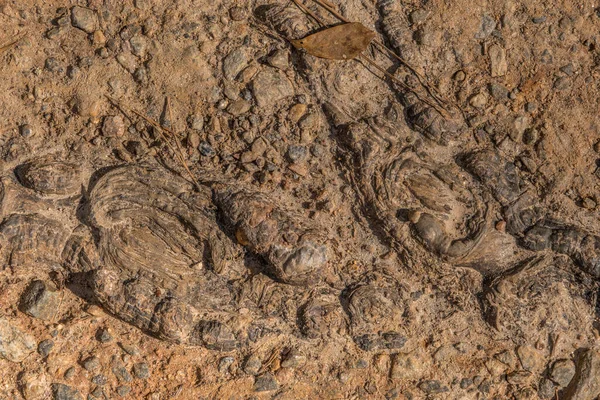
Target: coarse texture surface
428	231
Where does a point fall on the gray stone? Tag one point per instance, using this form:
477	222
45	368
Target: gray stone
238	107
529	357
498	92
235	62
265	383
141	370
15	345
139	45
100	380
120	372
488	24
280	59
64	392
418	16
91	363
123	390
26	131
562	83
84	19
129	349
546	389
225	363
45	346
294	360
40	300
270	87
296	153
432	387
252	365
562	372
586	383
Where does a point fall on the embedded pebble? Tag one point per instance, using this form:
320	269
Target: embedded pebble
45	346
123	390
113	126
562	372
271	86
63	392
265	383
498	63
91	363
141	370
252	365
103	335
84	19
235	62
40	300
26	130
432	387
586	383
15	344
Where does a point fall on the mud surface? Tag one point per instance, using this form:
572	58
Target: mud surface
343	234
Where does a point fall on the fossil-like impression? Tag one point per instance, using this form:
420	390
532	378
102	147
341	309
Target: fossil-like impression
150	262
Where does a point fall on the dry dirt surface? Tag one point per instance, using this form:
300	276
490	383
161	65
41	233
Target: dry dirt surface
191	207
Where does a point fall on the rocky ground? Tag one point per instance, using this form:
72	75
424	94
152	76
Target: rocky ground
339	233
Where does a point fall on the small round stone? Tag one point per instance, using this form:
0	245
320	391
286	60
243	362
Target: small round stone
45	346
104	336
26	130
100	380
123	390
237	13
141	370
91	363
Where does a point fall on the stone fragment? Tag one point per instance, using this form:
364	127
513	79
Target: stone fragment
530	358
235	62
113	126
265	383
34	386
15	344
141	370
562	372
408	366
271	86
498	63
40	300
586	383
84	19
64	392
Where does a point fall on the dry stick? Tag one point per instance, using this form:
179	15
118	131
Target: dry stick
161	131
371	62
422	80
403	85
308	11
181	153
7	46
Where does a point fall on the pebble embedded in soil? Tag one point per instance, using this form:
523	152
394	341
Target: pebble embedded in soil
40	300
84	19
15	344
265	383
271	86
61	391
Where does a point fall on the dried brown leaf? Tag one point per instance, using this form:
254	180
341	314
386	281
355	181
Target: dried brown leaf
342	42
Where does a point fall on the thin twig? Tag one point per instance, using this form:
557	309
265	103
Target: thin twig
161	130
7	46
422	80
308	11
402	84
